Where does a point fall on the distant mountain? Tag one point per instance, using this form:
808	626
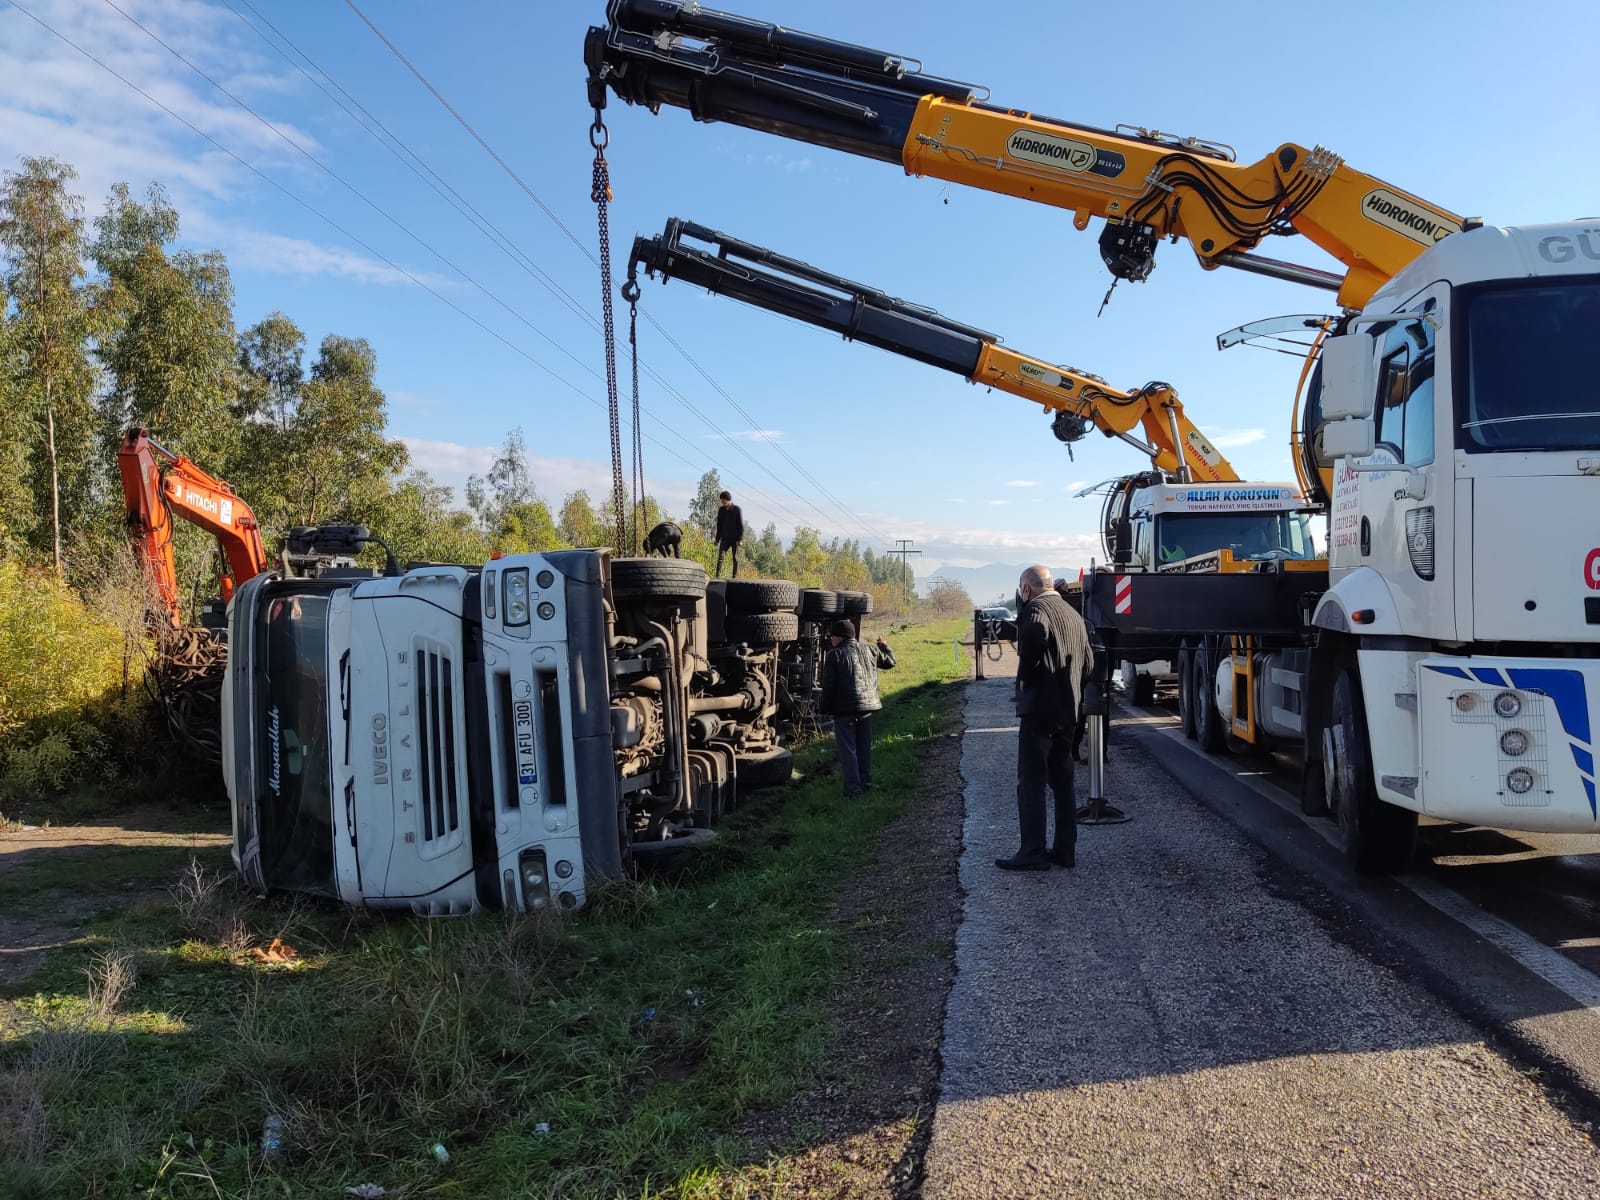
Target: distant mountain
992	583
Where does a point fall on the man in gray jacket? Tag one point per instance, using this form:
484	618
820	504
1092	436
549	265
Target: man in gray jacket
1054	662
850	695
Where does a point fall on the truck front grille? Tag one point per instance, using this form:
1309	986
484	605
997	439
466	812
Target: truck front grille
436	745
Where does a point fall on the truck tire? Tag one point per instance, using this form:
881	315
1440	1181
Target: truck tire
1213	738
761	595
667	578
1186	713
769	769
762	628
816	603
1378	838
855	604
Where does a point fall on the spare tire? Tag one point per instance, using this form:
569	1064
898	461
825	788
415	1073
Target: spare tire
762	628
672	578
815	602
855	604
762	595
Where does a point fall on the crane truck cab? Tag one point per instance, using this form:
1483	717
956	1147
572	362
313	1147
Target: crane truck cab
1459	638
452	738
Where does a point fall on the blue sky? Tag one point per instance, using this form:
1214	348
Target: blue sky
1481	108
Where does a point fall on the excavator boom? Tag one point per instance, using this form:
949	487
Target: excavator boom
1147	185
766	279
158	484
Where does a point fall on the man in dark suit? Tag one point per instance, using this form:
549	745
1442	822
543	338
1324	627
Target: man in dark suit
730	533
1054	662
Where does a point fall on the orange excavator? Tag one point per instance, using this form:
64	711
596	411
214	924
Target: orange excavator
160	486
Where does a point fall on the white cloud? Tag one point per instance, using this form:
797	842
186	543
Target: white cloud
998	503
274	254
749	435
1077	485
1230	439
1022	483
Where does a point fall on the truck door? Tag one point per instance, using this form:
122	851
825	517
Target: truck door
1404	537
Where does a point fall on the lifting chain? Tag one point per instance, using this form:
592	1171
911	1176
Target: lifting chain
630	293
600	192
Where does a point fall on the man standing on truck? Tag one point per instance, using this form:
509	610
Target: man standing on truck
1054	662
850	695
730	533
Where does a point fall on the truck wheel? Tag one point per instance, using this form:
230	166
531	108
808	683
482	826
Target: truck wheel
666	578
855	604
769	769
762	628
1377	837
1213	738
1186	713
816	603
762	595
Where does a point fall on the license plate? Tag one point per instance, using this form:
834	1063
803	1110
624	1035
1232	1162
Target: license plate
522	731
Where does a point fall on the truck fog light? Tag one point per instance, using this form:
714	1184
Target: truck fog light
1507	705
516	596
535	880
545	579
546	610
1466	701
1514	743
564	869
1520	780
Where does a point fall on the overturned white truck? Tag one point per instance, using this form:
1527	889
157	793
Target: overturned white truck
447	739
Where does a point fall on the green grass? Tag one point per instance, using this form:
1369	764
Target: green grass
603	1054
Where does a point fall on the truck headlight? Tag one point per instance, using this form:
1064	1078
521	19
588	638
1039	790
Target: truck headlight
1514	743
1507	705
1520	781
515	583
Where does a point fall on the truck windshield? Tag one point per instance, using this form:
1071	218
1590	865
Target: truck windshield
1258	536
293	799
1530	368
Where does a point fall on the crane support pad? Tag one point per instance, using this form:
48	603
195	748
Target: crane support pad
1275	604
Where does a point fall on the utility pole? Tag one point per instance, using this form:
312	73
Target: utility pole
905	576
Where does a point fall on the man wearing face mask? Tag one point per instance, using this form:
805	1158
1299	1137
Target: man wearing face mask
1054	663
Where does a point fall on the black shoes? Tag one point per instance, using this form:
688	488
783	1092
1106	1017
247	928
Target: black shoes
1067	858
1024	862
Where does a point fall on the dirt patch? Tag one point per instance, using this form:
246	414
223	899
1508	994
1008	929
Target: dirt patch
860	1132
42	901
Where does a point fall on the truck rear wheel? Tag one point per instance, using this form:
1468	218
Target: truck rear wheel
855	604
1209	731
761	595
769	769
761	628
816	603
1377	837
1186	713
664	578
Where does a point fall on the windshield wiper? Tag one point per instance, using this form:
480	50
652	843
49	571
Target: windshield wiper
1530	417
344	701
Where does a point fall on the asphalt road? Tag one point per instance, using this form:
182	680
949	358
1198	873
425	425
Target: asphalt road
1211	1006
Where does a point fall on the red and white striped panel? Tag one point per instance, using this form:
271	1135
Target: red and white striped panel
1124	594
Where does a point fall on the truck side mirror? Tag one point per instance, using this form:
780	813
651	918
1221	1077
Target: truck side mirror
1349	377
1122	550
1355	438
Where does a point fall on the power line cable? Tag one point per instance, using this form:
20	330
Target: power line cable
415	237
377	254
754	426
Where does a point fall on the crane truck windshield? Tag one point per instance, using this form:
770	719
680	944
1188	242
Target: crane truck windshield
296	836
1531	367
1258	536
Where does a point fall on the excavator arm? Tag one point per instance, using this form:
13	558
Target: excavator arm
1147	185
763	278
158	485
